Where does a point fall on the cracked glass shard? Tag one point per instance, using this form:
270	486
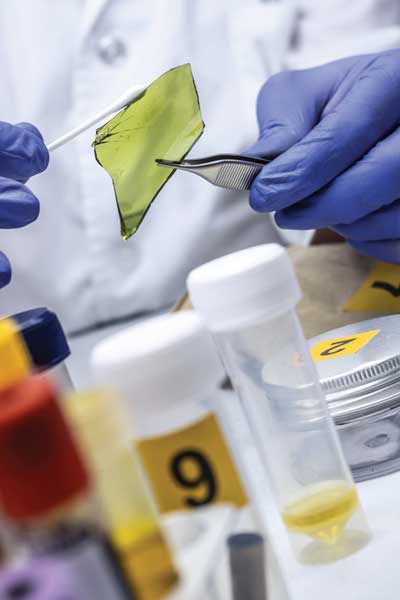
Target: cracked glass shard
163	122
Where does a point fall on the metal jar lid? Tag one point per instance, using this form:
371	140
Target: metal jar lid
360	374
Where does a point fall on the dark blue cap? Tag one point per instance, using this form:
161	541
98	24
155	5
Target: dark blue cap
43	336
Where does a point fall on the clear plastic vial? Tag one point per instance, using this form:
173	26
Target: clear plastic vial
248	301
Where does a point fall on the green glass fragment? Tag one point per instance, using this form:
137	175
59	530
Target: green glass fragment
164	122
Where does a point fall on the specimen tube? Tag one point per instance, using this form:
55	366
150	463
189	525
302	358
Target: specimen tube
248	301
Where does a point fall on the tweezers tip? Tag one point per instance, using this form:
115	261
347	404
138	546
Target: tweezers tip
165	163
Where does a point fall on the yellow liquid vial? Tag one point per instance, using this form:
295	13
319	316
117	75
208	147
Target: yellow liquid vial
146	558
135	530
322	515
130	515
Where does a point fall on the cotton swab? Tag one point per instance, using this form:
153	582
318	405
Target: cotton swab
128	96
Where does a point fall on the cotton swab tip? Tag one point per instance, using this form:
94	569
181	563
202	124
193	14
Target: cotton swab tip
128	96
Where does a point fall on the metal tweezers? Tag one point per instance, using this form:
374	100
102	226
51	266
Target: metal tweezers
231	171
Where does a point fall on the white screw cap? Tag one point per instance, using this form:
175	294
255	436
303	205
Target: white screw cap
159	363
244	287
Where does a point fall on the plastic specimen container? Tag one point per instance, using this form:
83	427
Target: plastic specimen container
248	301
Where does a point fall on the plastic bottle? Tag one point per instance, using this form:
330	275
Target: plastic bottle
15	365
44	484
167	373
248	301
47	344
99	422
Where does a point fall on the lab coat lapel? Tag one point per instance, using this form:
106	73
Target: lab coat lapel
91	12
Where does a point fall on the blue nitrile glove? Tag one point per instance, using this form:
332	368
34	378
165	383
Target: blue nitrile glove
336	128
22	154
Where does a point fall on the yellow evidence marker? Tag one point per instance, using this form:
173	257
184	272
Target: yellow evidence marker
379	293
350	344
191	467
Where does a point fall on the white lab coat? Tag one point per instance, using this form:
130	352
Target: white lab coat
63	60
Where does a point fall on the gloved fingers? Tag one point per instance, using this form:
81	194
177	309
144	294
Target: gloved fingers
388	251
289	105
22	151
347	130
31	128
18	205
5	270
282	121
384	224
370	184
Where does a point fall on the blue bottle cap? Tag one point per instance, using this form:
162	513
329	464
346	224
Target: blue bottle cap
43	336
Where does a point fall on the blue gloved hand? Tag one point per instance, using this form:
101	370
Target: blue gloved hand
336	129
22	154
